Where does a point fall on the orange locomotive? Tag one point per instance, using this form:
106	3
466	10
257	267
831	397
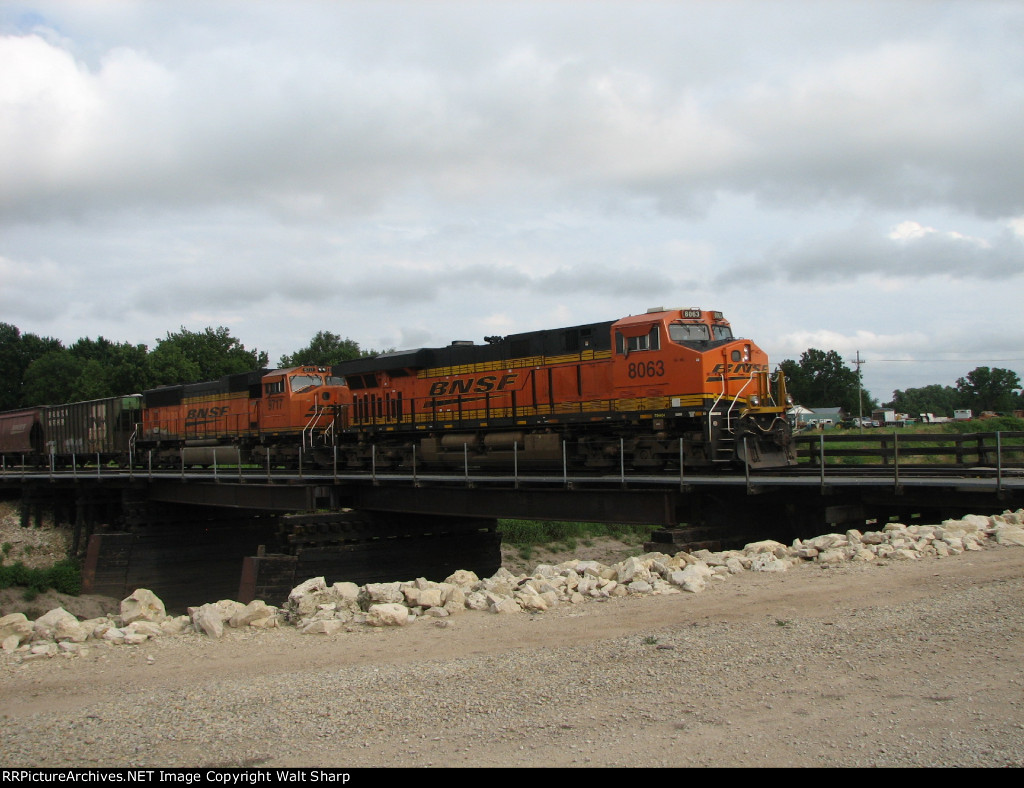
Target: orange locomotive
262	416
647	391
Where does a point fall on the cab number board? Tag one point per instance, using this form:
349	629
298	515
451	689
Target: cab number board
652	369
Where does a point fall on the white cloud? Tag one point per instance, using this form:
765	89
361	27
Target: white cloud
839	174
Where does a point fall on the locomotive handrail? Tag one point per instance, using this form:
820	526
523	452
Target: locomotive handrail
311	425
711	410
735	400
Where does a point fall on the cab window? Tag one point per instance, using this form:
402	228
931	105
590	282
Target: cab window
722	332
688	332
305	382
648	341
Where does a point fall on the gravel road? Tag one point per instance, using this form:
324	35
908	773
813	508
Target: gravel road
912	663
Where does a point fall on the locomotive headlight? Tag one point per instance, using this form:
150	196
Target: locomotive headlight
746	352
755	401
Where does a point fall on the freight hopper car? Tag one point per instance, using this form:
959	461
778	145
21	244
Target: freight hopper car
94	431
266	416
648	391
21	436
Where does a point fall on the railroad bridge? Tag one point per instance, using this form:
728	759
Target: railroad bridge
196	536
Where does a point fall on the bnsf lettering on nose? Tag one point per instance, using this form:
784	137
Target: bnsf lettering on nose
479	385
207	413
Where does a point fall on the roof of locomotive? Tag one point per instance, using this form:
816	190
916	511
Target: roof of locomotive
548	342
228	384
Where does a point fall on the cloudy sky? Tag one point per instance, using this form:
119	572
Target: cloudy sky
846	176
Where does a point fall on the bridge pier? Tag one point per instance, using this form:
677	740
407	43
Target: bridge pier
190	555
371	547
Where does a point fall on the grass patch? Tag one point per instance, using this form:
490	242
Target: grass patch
533	534
920	444
64	577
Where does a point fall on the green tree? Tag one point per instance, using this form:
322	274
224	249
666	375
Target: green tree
935	399
821	380
51	379
189	356
17	352
989	389
110	369
170	365
325	348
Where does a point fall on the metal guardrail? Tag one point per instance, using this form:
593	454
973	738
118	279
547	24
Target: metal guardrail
831	459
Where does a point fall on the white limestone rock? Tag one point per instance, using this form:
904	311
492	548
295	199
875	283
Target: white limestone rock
1008	534
209	619
637	587
505	605
16	625
175	625
254	611
462	578
59	624
768	562
388	614
827	542
113	635
498	585
453	608
323	627
693	577
631	569
381	594
452	594
735	565
423	597
346	593
591	568
531	601
764	546
148	629
142	604
303	599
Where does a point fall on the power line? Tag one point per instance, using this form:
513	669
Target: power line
943	360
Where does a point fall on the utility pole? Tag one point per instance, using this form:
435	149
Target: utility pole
860	396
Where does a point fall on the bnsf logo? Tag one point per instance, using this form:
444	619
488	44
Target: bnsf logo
739	369
207	413
479	385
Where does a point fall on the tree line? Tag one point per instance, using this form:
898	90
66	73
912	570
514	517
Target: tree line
38	370
822	379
